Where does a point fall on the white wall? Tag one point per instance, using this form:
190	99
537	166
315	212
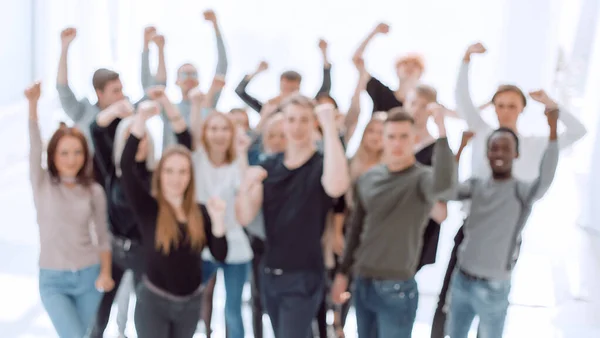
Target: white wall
15	58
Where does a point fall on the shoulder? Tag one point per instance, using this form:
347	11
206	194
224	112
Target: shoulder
97	192
203	212
271	161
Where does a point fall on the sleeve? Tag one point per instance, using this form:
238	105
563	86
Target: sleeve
216	245
103	141
355	230
464	190
146	75
464	104
185	139
222	63
535	190
383	97
326	85
247	98
37	174
339	205
443	177
574	129
100	218
75	109
138	196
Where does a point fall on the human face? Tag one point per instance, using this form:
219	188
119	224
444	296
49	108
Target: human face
175	176
509	106
288	87
373	136
69	157
502	150
187	77
219	134
274	138
409	70
240	119
416	105
299	124
112	92
398	141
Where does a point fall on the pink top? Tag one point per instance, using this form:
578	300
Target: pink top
72	221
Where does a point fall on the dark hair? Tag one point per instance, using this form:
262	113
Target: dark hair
505	130
102	77
505	88
84	176
326	96
398	114
291	75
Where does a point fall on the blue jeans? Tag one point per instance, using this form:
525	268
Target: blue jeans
71	299
470	297
387	306
235	276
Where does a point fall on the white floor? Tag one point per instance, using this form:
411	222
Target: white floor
555	288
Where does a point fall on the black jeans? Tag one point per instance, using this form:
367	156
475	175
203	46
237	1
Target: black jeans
439	318
126	255
292	300
258	248
161	315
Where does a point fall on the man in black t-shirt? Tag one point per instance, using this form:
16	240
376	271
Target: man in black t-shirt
295	190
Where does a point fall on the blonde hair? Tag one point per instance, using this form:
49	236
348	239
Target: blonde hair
230	154
412	57
119	145
167	229
357	161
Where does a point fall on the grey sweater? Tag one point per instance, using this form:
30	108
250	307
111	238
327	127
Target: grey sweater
391	209
499	211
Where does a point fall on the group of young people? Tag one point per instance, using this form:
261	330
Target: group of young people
281	204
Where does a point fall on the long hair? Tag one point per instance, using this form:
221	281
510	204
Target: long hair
123	129
357	162
167	229
230	154
85	174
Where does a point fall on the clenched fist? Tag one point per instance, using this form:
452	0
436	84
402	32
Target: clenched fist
33	92
67	36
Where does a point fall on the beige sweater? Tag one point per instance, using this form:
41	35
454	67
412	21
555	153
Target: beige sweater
72	221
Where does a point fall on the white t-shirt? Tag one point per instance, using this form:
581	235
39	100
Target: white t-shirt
222	182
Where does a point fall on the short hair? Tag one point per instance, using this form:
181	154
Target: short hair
398	114
504	130
412	57
102	77
505	88
326	96
427	92
291	75
297	100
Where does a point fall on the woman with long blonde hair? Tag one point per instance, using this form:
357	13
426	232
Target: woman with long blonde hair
219	163
175	229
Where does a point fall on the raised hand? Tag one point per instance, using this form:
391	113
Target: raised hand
148	109
159	40
33	92
467	135
209	15
216	208
104	283
326	114
382	28
149	33
255	174
323	45
196	96
476	48
123	108
67	36
262	66
542	97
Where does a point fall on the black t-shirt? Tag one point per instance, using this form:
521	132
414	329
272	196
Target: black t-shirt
431	236
295	206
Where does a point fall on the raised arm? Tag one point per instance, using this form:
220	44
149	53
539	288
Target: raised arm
250	195
574	129
536	190
138	196
353	113
222	63
444	176
465	107
336	177
381	28
37	174
251	101
466	137
73	108
214	227
160	78
326	86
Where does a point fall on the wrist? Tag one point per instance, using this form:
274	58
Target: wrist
467	57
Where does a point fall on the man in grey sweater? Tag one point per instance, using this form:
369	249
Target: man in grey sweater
392	203
500	206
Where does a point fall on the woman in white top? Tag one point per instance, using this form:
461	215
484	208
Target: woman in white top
219	162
